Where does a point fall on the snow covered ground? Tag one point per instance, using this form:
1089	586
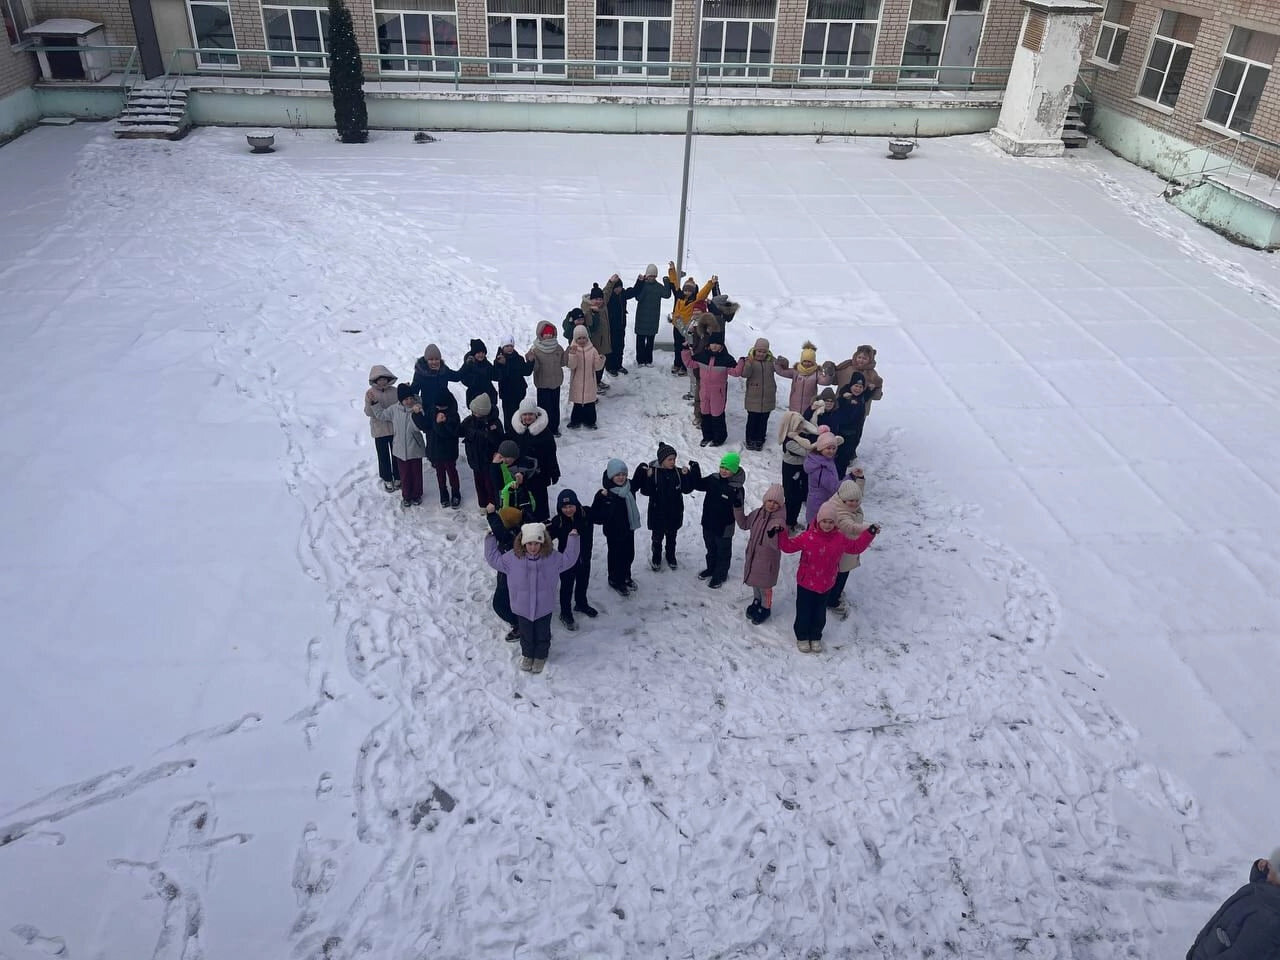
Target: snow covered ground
253	709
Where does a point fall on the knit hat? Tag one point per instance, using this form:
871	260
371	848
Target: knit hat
827	512
849	490
508	341
580	332
665	450
651	270
510	517
432	352
481	406
614	467
546	330
761	344
403	390
774	493
731	461
575	315
827	441
509	448
527	405
808	353
596	293
565	497
827	396
477	346
533	531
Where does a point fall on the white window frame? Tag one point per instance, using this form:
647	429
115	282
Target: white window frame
322	54
622	69
416	59
825	70
1249	65
1111	31
942	45
1174	45
540	69
17	15
232	60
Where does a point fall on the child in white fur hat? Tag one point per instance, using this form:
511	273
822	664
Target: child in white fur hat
533	569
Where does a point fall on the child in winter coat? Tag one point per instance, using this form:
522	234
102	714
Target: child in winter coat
853	402
666	486
547	359
648	294
481	433
529	427
847	504
820	472
596	320
572	517
806	376
533	569
509	477
381	395
723	495
795	483
442	450
509	371
615	302
407	445
762	559
503	524
761	393
583	361
432	376
615	509
863	361
686	296
476	374
820	548
713	365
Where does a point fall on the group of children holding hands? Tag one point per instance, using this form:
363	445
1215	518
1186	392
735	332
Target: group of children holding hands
542	551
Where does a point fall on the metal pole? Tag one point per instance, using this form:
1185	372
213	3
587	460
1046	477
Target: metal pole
688	133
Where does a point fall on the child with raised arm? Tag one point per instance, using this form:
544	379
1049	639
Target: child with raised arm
533	569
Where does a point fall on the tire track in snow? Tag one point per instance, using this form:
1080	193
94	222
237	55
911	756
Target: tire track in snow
696	789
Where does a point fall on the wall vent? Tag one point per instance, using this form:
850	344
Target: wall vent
1033	32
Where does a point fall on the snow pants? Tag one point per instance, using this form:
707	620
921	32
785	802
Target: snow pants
573	586
447	471
644	349
714	429
757	427
386	463
410	478
811	614
583	415
719	552
549	400
622	553
485	494
502	601
617	340
678	337
535	637
795	490
669	535
836	593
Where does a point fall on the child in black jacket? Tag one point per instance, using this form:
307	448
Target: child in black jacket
477	373
615	509
509	372
572	515
481	433
442	450
666	486
538	444
723	495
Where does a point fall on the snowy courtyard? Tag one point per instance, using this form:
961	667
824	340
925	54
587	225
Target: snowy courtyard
254	709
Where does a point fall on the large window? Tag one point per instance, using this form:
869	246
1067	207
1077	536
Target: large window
925	45
736	34
1170	53
631	31
839	34
416	30
526	30
1241	77
211	27
16	19
297	28
1114	32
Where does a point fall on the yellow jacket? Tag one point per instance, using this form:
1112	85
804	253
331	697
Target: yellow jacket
682	310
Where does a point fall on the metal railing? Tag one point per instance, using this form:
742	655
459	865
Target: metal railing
1235	162
227	66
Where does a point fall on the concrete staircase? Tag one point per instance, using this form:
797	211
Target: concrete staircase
1073	128
152	113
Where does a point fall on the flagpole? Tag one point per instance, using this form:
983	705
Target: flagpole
688	133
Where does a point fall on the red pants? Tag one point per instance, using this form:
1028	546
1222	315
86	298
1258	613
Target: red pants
410	478
449	470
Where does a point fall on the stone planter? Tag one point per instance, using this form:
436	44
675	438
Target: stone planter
261	141
899	149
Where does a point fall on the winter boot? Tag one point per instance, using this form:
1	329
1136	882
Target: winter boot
802	646
406	504
716	583
704	574
620	588
537	666
513	635
444	497
753	609
632	585
762	615
389	486
586	609
526	664
567	619
815	646
655	562
455	500
840	610
671	562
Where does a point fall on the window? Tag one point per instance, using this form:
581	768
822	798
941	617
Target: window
16	19
1241	77
211	27
631	31
1170	53
927	25
1114	32
737	32
297	28
416	29
526	30
839	34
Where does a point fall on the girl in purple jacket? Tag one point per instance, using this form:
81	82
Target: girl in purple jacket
533	569
820	468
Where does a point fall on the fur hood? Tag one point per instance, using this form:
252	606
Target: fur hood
534	428
795	426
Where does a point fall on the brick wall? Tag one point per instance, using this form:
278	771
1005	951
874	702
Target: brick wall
17	70
788	37
1116	88
1000	35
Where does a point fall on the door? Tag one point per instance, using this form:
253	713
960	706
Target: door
960	49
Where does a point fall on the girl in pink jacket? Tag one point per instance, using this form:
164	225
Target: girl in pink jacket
820	548
714	366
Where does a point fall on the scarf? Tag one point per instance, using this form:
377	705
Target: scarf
547	344
804	368
624	491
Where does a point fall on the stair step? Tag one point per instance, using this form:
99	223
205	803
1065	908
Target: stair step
176	101
150	118
1074	138
132	131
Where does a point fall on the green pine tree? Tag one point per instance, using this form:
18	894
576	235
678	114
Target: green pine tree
346	76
